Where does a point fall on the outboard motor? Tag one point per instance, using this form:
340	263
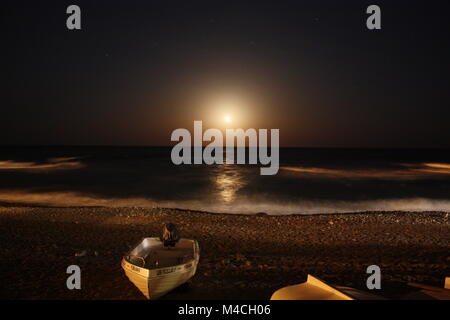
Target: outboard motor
170	235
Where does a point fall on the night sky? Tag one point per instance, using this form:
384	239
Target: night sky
140	69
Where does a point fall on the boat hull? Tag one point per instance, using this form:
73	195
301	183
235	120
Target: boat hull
317	289
154	283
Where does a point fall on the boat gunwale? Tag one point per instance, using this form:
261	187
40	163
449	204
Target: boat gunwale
153	272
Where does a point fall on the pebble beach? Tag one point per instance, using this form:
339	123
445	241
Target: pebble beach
242	256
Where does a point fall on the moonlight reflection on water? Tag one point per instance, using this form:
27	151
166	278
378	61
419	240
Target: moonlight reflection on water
228	182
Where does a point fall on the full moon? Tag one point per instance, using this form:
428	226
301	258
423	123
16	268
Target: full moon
227	119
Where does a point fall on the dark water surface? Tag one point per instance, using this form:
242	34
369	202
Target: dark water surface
309	180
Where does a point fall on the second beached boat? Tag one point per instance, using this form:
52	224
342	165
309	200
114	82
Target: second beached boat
317	289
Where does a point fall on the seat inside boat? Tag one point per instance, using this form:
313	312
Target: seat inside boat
151	253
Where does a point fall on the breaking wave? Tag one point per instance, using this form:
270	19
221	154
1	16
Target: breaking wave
49	165
74	199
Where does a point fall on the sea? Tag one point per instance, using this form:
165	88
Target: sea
309	180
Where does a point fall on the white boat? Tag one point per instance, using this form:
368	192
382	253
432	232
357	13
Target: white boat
155	269
317	289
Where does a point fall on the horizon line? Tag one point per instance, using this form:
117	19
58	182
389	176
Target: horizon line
171	146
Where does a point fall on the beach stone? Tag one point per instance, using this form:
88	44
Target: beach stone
81	254
240	257
225	261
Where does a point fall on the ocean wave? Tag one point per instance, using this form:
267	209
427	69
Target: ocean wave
51	164
404	171
74	199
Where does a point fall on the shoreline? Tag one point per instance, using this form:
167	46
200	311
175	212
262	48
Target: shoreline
242	256
4	204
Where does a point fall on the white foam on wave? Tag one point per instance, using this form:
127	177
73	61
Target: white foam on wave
50	165
74	199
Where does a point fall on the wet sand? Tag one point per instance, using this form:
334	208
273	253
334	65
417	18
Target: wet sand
242	257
